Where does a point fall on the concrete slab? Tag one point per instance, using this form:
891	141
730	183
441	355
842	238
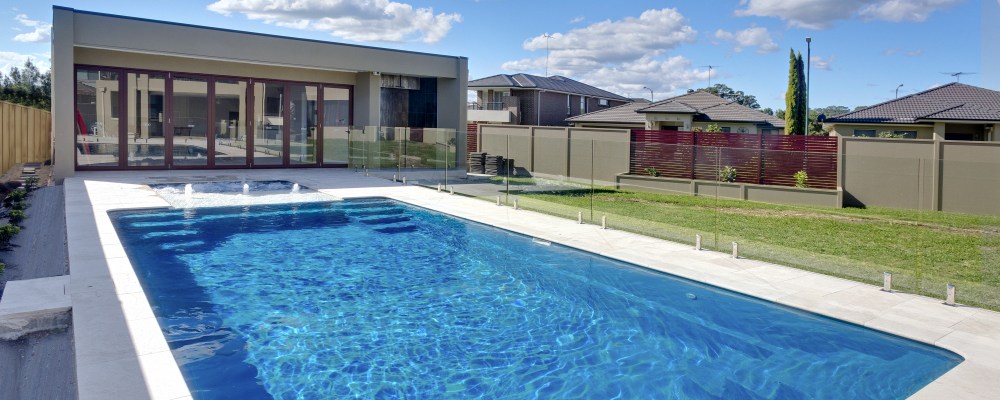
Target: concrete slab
34	305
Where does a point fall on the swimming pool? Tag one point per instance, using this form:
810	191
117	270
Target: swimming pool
374	298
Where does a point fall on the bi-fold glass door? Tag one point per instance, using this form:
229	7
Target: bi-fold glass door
133	119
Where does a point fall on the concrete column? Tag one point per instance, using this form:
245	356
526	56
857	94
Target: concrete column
939	131
63	93
367	100
452	105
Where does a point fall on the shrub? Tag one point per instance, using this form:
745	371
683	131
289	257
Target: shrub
2	267
7	232
31	183
19	206
891	135
652	171
713	128
17	195
801	179
16	216
727	174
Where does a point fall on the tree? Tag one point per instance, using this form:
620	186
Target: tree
795	112
27	86
816	127
768	111
728	93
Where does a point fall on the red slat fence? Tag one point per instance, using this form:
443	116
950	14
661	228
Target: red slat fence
471	137
760	159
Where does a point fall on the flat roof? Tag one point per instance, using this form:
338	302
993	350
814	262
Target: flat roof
155	21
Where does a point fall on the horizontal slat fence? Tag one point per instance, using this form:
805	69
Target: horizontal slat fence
25	135
471	137
760	159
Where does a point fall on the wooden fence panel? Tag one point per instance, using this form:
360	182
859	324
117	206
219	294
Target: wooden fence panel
25	135
760	159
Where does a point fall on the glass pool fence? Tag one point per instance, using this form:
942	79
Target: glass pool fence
776	206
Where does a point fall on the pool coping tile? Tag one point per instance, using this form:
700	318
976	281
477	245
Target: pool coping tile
105	289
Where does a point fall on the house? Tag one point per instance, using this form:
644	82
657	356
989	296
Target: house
694	110
524	99
131	93
955	111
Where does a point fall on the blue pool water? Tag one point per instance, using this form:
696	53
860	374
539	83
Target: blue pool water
372	298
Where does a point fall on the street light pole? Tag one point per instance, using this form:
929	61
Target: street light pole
650	93
808	79
897	90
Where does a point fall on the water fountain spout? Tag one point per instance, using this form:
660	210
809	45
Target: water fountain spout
295	188
246	188
188	190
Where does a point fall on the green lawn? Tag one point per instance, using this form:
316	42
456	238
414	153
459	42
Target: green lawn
924	250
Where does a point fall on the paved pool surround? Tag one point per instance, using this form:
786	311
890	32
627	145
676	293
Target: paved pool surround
121	352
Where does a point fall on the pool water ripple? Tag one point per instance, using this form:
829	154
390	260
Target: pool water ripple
372	298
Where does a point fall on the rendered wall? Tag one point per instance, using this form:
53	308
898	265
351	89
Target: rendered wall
953	176
565	152
734	191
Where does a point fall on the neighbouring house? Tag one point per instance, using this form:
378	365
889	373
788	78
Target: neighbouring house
955	111
691	111
132	93
523	99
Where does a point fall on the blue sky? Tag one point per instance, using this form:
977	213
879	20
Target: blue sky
861	50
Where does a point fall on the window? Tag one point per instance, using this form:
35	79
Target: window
602	102
906	134
726	129
569	105
583	104
864	133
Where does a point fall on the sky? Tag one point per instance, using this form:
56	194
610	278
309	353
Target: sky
861	50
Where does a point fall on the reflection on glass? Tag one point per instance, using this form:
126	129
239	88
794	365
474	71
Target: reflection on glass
336	124
96	121
302	124
190	122
269	123
229	124
146	142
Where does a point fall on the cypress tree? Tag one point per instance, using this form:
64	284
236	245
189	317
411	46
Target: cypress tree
803	105
795	97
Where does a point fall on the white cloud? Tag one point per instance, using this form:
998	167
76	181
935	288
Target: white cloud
819	63
820	14
580	19
893	51
915	53
42	32
620	56
10	59
360	20
751	37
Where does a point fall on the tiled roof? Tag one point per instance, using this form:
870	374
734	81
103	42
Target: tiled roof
706	107
735	112
554	83
624	113
954	101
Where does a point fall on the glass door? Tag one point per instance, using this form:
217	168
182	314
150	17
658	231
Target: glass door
96	120
229	123
146	125
269	124
302	124
189	109
336	125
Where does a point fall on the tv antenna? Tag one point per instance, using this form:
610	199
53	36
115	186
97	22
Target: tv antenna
547	37
958	75
710	73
